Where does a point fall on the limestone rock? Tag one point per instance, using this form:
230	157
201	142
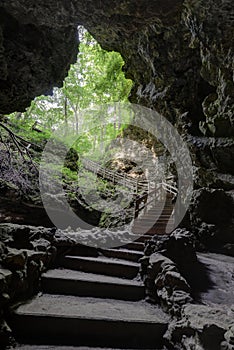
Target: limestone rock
201	327
164	284
5	333
41	244
71	160
228	344
179	246
5	279
15	259
211	213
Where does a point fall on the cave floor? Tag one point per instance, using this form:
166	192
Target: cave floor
220	272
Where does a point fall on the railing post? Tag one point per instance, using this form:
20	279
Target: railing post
136	207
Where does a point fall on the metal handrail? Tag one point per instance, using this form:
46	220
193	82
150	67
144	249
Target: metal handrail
124	180
169	188
131	183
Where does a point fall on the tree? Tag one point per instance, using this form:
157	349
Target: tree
95	79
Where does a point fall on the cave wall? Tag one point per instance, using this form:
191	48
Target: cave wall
178	53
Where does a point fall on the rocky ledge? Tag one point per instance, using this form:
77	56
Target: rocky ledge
25	252
195	288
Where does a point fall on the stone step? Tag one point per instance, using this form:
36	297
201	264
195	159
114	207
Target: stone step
133	246
153	217
82	250
70	282
69	320
162	205
57	347
156	216
150	223
125	254
159	211
101	265
144	234
141	228
160	216
146	224
141	237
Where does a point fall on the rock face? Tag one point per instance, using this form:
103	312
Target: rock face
197	289
179	53
166	259
202	327
212	210
37	45
25	252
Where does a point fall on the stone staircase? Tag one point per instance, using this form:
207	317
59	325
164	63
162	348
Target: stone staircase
155	219
91	302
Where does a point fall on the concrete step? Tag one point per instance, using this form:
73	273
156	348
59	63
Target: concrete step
159	212
134	246
143	231
68	320
101	265
146	228
70	282
154	222
148	232
154	217
148	223
57	347
125	254
145	224
141	237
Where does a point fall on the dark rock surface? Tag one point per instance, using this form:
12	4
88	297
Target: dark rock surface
185	46
25	252
212	217
164	283
164	267
37	45
198	292
201	327
20	198
180	56
178	53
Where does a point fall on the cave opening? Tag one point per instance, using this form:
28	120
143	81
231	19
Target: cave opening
94	281
79	109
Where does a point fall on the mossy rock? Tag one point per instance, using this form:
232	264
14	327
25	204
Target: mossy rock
71	160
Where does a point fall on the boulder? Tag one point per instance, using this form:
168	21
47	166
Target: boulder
165	284
201	327
15	259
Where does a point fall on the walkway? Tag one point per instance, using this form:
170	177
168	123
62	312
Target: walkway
95	298
92	302
152	212
113	176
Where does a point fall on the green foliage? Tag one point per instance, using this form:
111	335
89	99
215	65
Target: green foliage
95	79
69	175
